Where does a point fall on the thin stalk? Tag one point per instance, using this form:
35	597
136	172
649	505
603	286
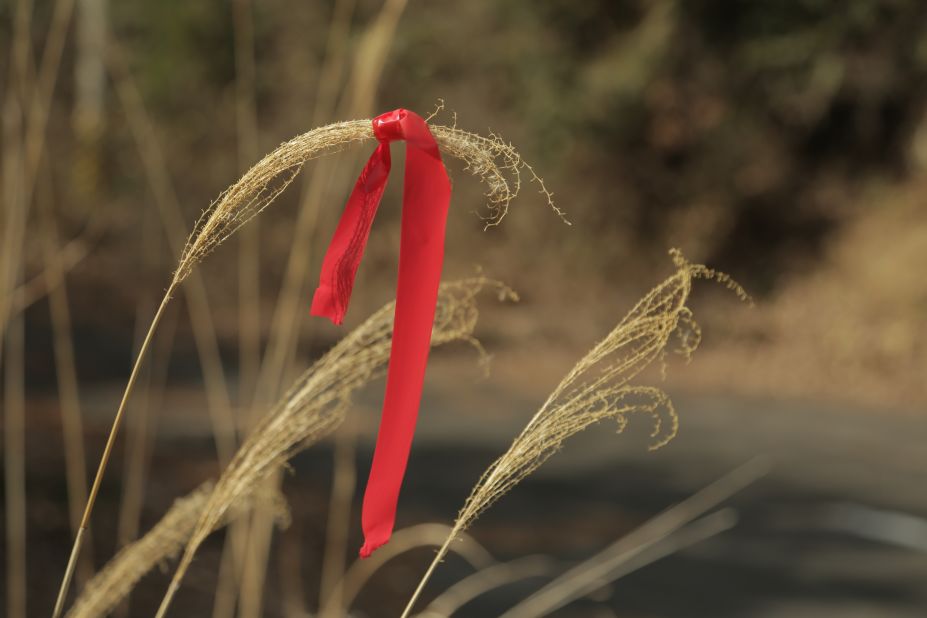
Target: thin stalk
39	105
230	568
107	452
442	552
203	327
625	564
357	101
24	121
185	562
647	534
254	573
15	470
490	578
284	325
14	210
172	221
14	223
139	442
66	372
574	583
344	482
139	438
404	540
66	258
249	245
249	287
289	567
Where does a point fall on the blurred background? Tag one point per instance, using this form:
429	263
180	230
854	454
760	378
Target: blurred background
784	143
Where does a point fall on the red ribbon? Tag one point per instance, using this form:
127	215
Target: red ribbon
426	197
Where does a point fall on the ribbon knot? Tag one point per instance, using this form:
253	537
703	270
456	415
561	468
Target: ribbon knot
388	127
426	197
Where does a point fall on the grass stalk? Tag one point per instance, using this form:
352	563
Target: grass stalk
14	469
262	386
25	118
402	541
316	404
586	577
690	534
14	212
114	582
249	335
216	386
66	372
344	482
140	424
107	452
204	333
599	388
249	306
33	144
290	573
13	216
66	258
365	77
489	158
254	573
485	580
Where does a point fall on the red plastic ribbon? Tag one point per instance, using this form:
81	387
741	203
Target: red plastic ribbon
426	197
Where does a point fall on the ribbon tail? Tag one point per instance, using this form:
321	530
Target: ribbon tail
426	197
346	249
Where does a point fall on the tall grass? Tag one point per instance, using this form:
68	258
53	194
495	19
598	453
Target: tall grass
315	405
14	222
117	578
25	108
65	371
496	162
599	388
355	99
313	408
405	540
657	537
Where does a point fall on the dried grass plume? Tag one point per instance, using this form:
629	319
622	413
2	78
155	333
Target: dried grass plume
599	388
491	159
108	587
315	405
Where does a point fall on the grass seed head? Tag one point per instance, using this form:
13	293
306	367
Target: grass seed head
491	159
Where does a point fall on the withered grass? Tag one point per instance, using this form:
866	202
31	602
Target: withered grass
599	388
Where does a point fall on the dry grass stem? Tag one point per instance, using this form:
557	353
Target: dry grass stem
405	540
491	159
246	130
337	527
245	200
14	468
599	388
160	544
141	436
66	258
614	560
66	372
695	532
13	218
356	99
315	405
163	542
171	217
485	580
